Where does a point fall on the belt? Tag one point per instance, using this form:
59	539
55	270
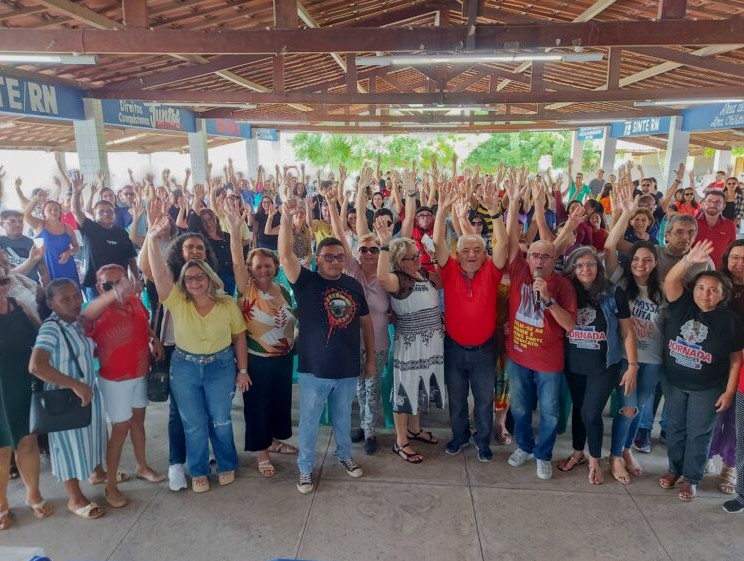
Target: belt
200	359
488	345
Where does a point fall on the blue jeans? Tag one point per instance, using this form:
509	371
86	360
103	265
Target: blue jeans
692	417
176	438
624	427
204	393
466	370
314	392
524	385
648	413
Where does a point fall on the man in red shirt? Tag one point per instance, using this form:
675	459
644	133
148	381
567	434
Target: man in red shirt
542	305
713	226
118	323
470	285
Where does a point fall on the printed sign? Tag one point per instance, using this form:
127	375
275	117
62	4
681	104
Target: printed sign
591	133
226	127
267	134
39	99
713	116
137	114
641	127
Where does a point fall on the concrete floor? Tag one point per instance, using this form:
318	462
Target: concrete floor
443	509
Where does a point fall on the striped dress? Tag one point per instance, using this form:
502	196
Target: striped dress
74	453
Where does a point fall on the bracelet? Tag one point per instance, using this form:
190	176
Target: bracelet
384	248
632	364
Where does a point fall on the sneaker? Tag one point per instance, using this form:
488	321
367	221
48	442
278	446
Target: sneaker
305	483
485	455
357	435
733	506
370	445
352	468
544	469
519	457
176	478
454	447
642	441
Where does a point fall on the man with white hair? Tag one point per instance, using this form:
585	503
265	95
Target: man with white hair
470	289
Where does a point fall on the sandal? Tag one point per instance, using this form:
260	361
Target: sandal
121	477
505	437
266	468
430	438
595	475
617	468
226	477
668	481
727	482
282	448
91	511
687	491
115	501
41	509
631	464
571	462
200	484
410	457
5	520
151	476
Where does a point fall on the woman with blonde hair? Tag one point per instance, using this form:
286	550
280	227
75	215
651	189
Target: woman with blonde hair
210	340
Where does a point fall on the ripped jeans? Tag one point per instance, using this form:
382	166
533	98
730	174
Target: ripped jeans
624	427
204	386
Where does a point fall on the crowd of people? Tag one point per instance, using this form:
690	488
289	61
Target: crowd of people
504	287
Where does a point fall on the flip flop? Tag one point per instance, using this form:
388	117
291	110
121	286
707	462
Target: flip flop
595	475
152	477
86	511
41	509
431	439
570	463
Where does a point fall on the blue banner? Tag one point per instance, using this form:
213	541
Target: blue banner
641	127
267	134
143	115
226	127
36	98
714	116
590	133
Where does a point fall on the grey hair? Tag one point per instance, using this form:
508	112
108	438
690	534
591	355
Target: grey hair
470	238
675	219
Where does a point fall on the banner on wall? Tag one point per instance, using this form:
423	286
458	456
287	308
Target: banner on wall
39	99
590	133
641	127
714	116
226	127
138	114
267	134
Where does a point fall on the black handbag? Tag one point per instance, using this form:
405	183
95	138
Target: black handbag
57	410
158	379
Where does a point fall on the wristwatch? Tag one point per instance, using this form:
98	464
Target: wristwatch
242	371
549	303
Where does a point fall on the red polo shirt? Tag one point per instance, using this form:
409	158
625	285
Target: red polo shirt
721	235
470	304
416	234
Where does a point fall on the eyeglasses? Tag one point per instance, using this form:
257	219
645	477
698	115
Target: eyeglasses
717	202
5	281
373	250
412	257
105	212
589	265
107	286
424	215
684	233
540	256
195	278
331	257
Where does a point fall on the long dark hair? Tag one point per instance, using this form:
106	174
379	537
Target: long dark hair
175	260
600	287
632	289
724	262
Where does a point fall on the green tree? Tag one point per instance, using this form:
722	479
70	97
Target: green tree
520	148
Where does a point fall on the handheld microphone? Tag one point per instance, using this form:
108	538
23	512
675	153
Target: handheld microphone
538	275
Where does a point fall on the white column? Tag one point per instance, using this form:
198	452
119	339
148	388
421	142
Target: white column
198	153
90	141
678	145
577	152
609	151
251	152
722	160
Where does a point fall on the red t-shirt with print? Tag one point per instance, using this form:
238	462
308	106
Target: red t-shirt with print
534	339
121	336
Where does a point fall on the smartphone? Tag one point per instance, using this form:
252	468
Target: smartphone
428	243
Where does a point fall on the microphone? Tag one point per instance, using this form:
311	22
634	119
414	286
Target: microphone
538	275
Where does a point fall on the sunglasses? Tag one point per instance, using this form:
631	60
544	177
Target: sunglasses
5	281
330	258
373	250
412	257
108	286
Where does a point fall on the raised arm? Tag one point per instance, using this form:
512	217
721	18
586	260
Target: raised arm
337	224
37	225
287	258
512	218
624	205
161	275
409	187
499	239
235	220
676	184
77	200
384	231
447	199
674	281
19	193
361	201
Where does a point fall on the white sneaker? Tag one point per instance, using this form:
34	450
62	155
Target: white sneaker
544	469
519	457
176	478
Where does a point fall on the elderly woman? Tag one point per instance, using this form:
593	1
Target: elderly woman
270	319
418	345
594	353
702	358
63	358
19	332
210	346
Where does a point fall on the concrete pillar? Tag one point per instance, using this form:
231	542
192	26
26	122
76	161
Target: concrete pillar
251	153
609	151
198	153
577	152
90	142
722	160
678	145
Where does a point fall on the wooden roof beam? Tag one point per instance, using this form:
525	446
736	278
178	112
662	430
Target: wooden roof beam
285	13
135	13
671	9
689	59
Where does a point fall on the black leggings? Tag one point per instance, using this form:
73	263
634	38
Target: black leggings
589	395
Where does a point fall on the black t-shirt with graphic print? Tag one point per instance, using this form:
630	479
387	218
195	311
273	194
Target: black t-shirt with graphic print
328	312
586	344
698	344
